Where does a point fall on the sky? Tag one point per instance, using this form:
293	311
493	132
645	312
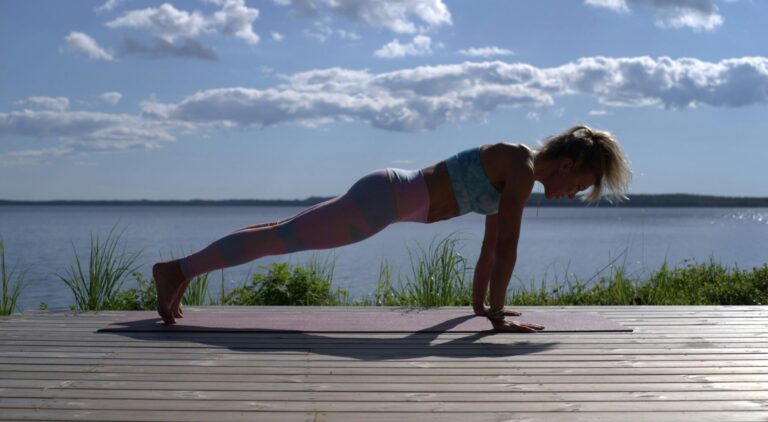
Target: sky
289	99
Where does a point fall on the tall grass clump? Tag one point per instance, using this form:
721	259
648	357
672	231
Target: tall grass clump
98	285
615	288
438	277
709	283
11	288
197	291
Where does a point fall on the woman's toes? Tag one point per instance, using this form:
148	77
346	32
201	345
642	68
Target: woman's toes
166	287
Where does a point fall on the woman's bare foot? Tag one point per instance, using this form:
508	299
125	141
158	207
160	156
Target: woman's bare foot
178	296
168	278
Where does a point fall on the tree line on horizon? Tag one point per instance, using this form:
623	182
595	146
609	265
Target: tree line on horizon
535	200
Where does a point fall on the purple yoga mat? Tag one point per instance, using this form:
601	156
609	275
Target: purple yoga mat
373	321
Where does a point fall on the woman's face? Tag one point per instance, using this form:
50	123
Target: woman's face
566	182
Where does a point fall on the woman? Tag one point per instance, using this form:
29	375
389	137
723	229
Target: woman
495	180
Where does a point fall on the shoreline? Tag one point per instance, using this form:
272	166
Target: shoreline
535	200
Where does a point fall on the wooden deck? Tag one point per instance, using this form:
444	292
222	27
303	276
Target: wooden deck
681	363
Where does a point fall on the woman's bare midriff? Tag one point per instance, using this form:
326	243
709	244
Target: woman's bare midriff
442	201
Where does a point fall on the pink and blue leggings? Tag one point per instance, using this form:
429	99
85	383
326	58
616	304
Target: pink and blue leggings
377	200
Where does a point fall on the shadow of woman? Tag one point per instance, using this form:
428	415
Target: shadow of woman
364	346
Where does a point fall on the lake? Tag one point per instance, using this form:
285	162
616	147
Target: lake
554	242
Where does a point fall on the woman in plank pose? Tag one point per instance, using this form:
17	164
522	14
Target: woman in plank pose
494	180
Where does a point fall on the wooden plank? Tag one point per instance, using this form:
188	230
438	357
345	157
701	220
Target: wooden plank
375	347
677	329
141	346
420	358
380	406
372	396
153	415
550	416
436	377
16	371
626	320
299	383
225	416
235	367
341	339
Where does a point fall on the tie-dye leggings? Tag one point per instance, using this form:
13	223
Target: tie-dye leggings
371	204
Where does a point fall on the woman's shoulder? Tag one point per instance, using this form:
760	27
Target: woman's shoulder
504	159
509	152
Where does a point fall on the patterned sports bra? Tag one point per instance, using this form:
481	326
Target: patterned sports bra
473	191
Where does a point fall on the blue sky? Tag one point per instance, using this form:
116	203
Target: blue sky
223	99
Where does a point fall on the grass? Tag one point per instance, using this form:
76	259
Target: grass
98	286
439	276
709	283
303	285
12	288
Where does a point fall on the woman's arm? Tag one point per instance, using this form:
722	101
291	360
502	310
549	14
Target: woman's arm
517	189
484	265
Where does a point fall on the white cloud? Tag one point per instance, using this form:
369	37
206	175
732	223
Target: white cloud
165	22
79	42
695	14
397	16
111	97
159	48
486	52
615	5
236	19
672	83
323	31
277	36
412	99
168	23
408	100
420	46
31	156
108	6
422	98
80	132
50	103
597	112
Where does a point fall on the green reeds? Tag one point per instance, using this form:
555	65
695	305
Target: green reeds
438	277
11	288
197	291
95	287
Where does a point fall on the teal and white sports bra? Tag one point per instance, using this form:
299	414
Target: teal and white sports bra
473	191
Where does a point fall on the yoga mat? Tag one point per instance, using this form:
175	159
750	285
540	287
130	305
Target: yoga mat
295	319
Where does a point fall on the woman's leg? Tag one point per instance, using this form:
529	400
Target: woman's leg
367	208
363	211
272	223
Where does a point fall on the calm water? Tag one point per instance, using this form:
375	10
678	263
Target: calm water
556	242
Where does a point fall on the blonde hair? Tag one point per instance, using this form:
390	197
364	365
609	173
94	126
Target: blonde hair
594	151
